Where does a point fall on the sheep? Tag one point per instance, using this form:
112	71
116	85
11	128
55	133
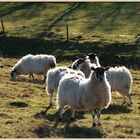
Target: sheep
76	63
93	58
54	76
121	81
33	64
81	93
119	78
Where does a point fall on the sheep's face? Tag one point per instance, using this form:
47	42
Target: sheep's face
100	72
79	61
13	75
92	57
52	65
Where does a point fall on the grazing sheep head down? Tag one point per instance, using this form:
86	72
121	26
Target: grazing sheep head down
14	74
52	65
99	72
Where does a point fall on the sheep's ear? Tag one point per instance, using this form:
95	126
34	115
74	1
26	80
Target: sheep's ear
106	68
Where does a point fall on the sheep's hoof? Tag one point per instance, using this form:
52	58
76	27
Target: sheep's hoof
94	124
72	119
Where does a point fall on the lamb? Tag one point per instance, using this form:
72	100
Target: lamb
119	78
81	93
54	76
33	64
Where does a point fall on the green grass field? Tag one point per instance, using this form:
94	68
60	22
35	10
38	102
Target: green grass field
108	29
93	21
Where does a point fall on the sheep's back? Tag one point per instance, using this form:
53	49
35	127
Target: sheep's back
119	77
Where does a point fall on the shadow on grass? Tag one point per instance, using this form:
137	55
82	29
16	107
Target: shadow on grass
18	104
110	54
54	117
68	130
117	109
42	114
25	80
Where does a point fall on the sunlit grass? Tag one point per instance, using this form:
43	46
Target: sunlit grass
24	111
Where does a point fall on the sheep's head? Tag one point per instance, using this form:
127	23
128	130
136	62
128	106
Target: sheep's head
99	72
13	74
92	57
79	61
52	65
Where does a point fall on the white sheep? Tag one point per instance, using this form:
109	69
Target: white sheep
119	78
121	81
33	64
54	76
81	93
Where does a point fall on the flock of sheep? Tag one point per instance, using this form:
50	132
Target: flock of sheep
85	86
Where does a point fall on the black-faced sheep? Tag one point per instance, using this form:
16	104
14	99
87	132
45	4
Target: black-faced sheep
119	78
81	93
33	64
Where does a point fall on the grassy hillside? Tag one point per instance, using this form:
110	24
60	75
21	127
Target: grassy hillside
104	20
24	111
108	29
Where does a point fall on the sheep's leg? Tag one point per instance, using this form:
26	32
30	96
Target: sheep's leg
60	113
129	99
72	114
44	78
98	116
51	95
93	117
124	100
32	77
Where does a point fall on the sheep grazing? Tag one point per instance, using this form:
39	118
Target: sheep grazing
33	64
54	76
81	93
119	78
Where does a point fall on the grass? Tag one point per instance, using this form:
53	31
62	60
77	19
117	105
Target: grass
107	22
24	111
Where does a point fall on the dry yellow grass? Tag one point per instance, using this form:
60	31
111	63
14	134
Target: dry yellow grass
24	111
